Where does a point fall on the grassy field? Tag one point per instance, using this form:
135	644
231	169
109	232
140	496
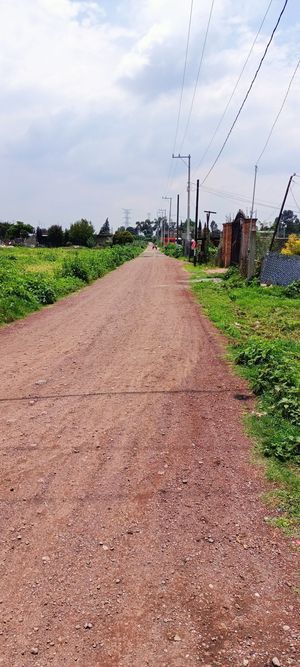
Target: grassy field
33	277
262	325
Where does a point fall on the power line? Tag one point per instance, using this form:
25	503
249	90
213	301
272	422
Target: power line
198	74
280	110
247	93
236	85
294	198
238	197
184	74
182	83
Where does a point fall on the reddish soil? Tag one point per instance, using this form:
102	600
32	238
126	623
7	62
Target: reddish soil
132	527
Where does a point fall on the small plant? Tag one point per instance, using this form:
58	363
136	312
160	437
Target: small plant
292	246
173	250
232	278
273	374
293	290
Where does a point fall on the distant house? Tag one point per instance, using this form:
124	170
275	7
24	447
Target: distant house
104	240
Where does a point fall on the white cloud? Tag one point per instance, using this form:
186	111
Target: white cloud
89	94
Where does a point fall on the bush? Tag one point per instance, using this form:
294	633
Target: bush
232	278
23	291
273	373
123	238
292	246
293	290
173	250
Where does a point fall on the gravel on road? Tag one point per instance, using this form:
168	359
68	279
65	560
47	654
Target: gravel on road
132	530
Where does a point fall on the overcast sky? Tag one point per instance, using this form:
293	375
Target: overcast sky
89	99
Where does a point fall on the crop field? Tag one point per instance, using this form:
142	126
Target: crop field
262	325
33	277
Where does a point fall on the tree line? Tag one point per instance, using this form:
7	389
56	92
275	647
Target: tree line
81	232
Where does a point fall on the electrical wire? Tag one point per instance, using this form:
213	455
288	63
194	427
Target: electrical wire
279	112
198	74
247	93
238	197
236	85
294	198
182	84
184	74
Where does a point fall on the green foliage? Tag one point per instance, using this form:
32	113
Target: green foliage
273	374
264	332
88	266
55	237
263	325
4	226
33	277
292	290
122	238
173	250
80	232
289	222
232	278
18	230
105	229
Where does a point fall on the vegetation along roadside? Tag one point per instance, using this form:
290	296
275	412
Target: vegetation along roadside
33	277
262	325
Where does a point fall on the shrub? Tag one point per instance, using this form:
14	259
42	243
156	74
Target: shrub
173	250
122	238
293	290
273	373
292	246
232	278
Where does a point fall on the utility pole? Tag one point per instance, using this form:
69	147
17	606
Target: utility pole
281	211
162	212
177	218
208	216
196	223
206	233
254	189
170	210
160	215
187	157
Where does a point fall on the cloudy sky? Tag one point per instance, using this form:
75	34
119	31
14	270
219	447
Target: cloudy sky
89	101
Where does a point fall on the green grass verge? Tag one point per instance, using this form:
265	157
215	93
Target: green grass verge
33	277
262	326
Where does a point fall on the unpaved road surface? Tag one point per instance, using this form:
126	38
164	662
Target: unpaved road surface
132	529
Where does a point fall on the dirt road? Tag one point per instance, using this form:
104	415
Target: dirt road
132	530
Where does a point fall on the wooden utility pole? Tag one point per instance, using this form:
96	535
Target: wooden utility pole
206	234
281	211
196	223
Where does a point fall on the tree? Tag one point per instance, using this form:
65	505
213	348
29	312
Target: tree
55	236
18	230
81	231
122	238
289	222
66	237
213	226
132	230
105	229
4	226
39	236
